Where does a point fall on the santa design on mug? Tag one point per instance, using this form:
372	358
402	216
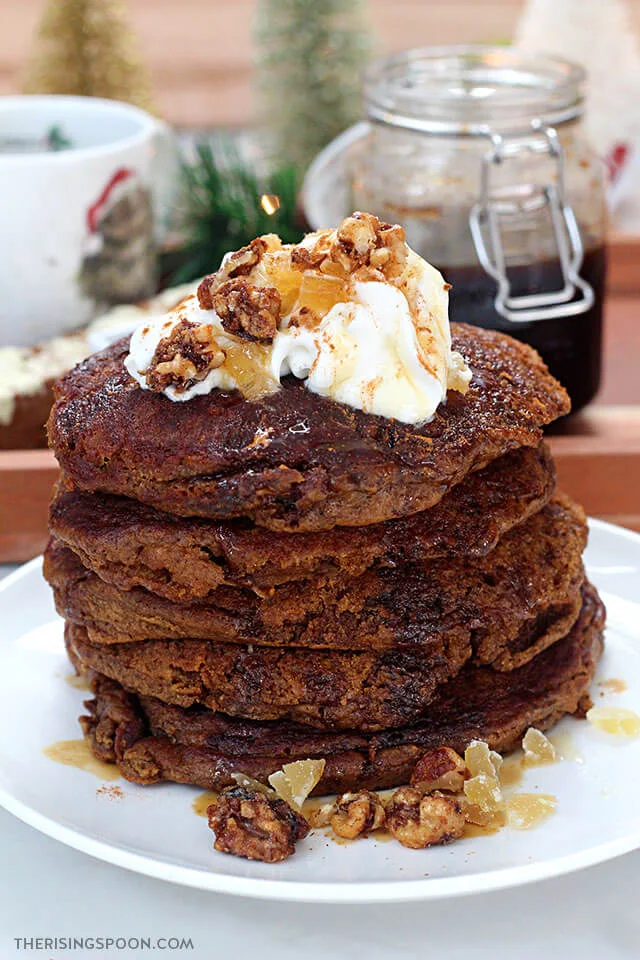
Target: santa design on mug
119	261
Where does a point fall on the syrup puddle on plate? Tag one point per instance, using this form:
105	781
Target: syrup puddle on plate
613	685
76	753
77	682
512	770
473	830
565	746
202	801
527	810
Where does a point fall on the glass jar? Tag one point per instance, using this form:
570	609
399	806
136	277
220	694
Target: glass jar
480	154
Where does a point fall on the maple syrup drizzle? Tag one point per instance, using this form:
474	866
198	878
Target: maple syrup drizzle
565	747
76	753
202	802
613	685
512	771
527	810
77	681
472	830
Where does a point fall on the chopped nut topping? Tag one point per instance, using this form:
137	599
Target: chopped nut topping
357	813
237	264
439	769
391	250
250	824
355	239
419	821
296	780
304	317
248	311
362	241
183	357
538	749
305	259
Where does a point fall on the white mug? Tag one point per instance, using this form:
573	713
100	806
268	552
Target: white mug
76	223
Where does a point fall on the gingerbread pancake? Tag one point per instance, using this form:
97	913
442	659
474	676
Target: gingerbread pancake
295	461
151	741
130	544
412	608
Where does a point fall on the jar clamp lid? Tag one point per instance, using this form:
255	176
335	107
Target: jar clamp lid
515	102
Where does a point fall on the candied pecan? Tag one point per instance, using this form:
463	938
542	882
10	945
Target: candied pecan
374	249
248	311
357	813
255	825
186	355
439	769
355	239
391	251
240	263
419	821
305	259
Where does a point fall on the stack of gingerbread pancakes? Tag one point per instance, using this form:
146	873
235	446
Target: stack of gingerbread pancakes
254	582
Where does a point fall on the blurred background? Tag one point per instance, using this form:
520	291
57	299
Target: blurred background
199	52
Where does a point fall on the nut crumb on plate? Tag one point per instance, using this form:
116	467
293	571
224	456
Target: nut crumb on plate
419	821
255	825
357	813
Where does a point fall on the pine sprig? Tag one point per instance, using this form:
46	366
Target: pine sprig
225	204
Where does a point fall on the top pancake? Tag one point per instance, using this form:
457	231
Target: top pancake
295	460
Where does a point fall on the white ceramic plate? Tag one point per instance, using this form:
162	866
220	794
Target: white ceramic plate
154	831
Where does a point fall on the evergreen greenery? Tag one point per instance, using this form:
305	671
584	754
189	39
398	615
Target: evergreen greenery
224	204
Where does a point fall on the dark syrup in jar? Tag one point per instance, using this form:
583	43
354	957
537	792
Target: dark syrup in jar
570	346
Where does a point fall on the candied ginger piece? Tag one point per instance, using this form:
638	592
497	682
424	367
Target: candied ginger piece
249	783
296	780
278	271
482	818
485	792
527	810
480	759
538	749
320	292
248	364
618	721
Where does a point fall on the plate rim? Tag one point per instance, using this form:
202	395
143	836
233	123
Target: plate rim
384	891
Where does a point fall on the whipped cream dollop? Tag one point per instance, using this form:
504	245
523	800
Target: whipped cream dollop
353	312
